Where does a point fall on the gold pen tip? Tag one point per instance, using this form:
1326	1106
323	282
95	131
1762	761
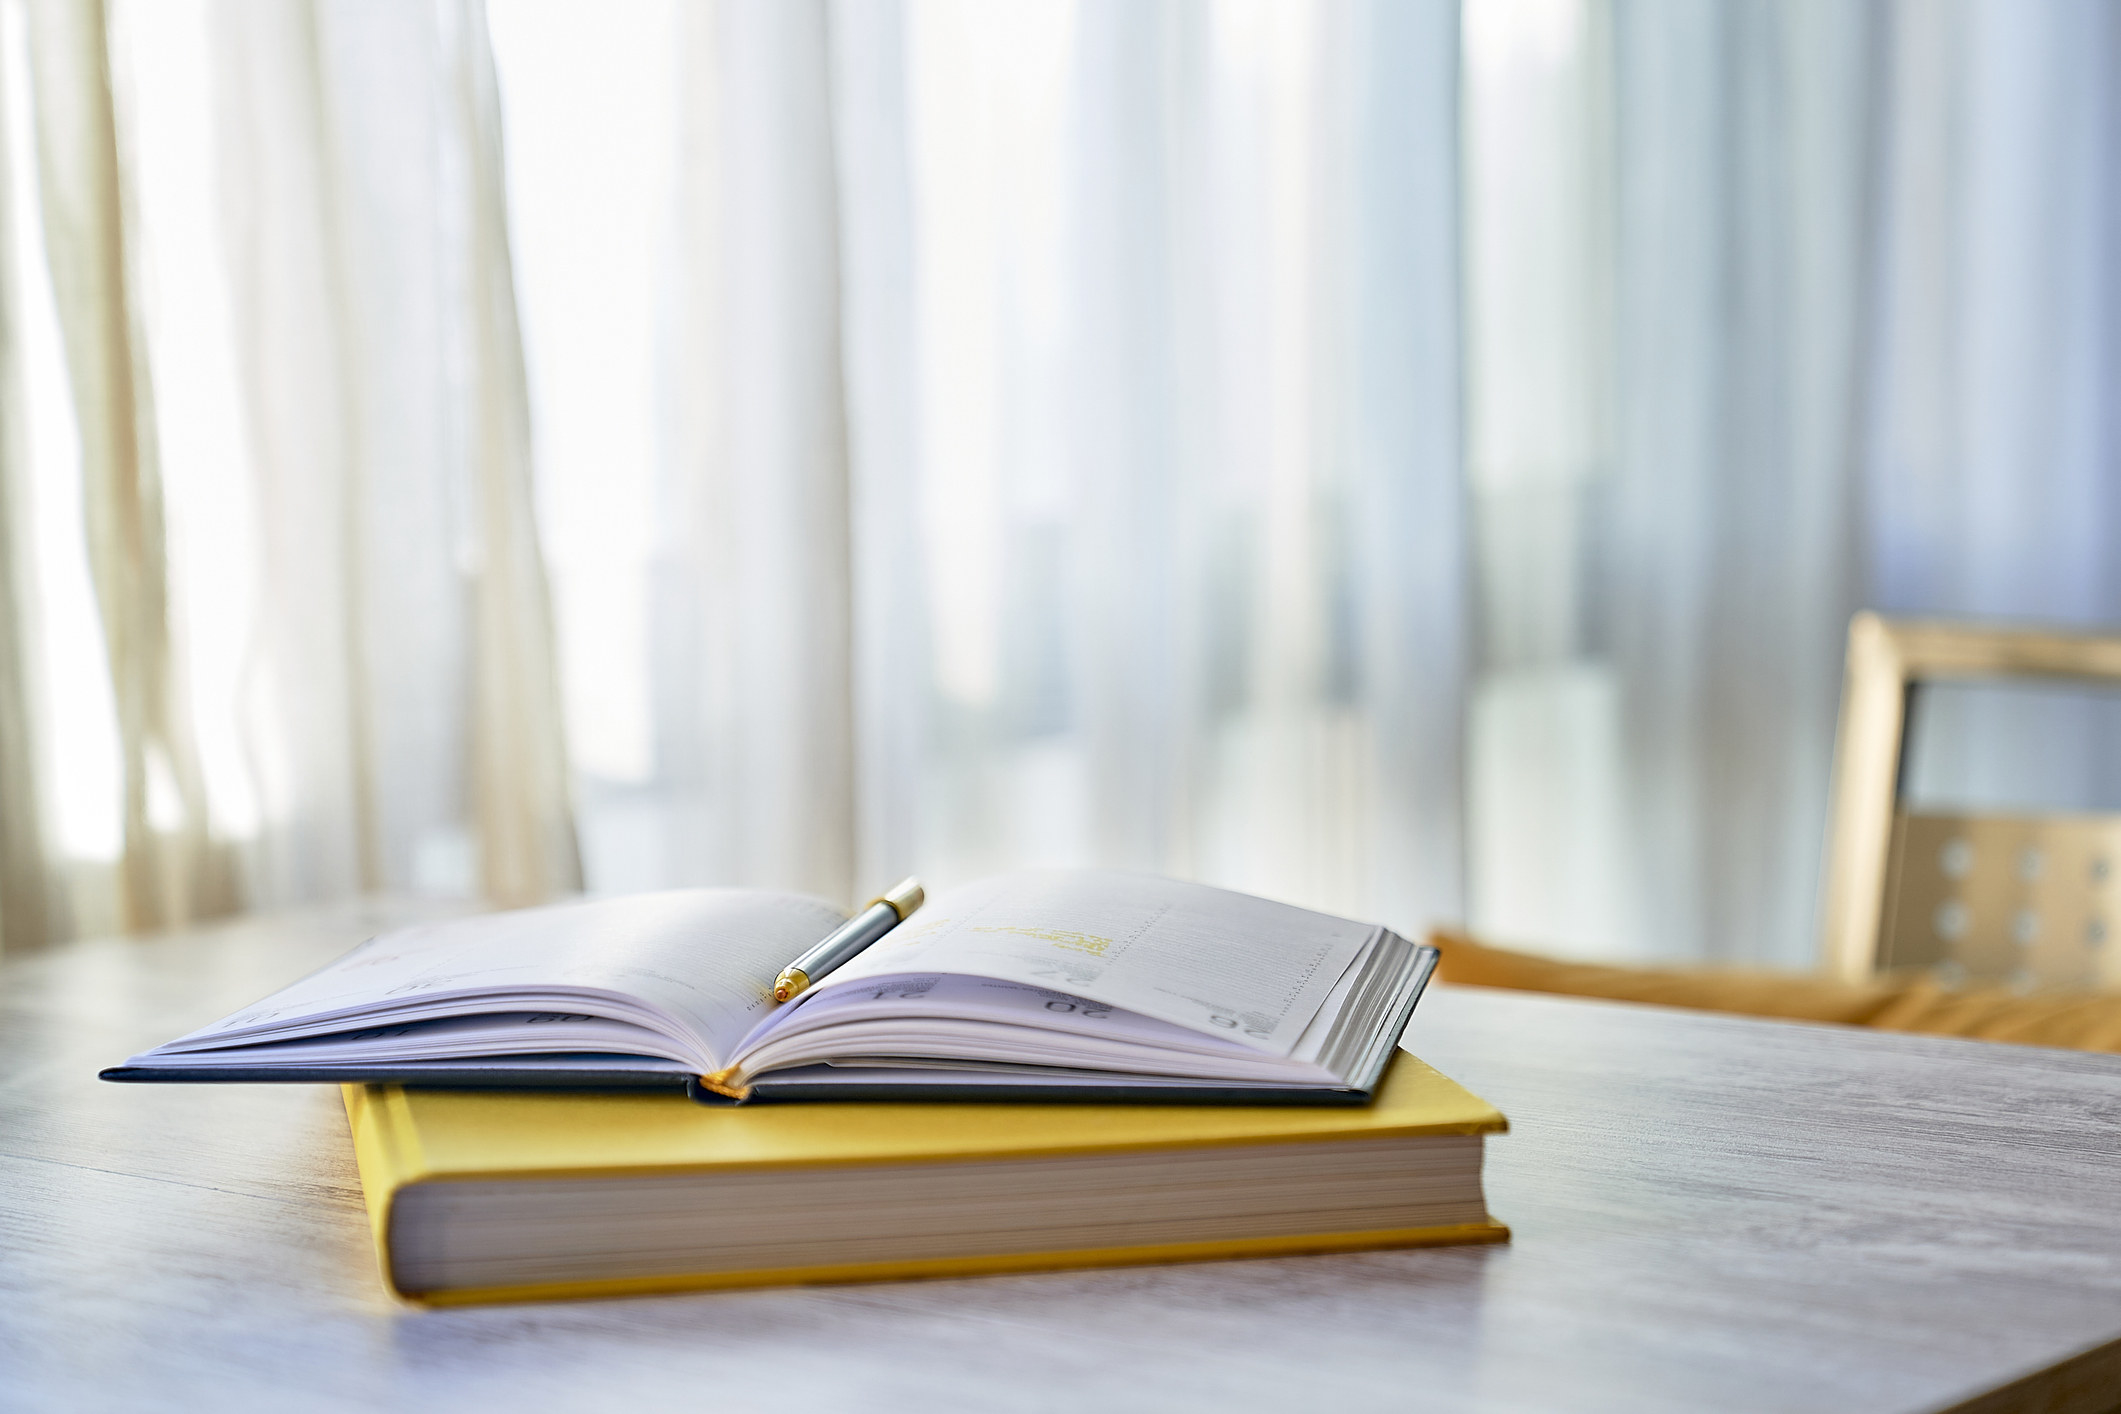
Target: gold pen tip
789	984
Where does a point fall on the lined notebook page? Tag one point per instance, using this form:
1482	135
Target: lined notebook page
1243	968
705	957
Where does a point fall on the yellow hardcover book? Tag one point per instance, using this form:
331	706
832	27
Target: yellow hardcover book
481	1196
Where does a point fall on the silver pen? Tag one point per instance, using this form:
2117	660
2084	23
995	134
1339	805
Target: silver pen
845	941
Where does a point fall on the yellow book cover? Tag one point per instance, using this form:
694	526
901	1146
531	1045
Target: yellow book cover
478	1196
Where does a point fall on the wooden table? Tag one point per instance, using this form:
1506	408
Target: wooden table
1711	1214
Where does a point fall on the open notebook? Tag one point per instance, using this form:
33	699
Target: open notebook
1045	984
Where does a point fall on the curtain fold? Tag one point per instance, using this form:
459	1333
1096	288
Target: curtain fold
527	845
1992	449
398	697
1743	159
169	870
29	913
1992	443
1397	423
891	643
755	700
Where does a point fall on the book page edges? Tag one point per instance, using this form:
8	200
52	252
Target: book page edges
1283	1246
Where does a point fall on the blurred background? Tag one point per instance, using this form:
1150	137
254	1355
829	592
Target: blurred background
1411	459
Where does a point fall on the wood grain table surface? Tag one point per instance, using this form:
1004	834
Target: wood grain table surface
1711	1214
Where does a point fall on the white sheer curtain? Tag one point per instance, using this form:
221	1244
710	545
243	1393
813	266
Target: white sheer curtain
1058	441
1186	433
1994	447
966	434
1826	320
289	458
399	684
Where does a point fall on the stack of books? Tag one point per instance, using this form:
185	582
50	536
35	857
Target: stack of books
714	1088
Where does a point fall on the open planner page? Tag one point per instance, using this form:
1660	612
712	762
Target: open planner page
704	958
1229	965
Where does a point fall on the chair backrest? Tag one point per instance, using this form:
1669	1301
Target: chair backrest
2031	899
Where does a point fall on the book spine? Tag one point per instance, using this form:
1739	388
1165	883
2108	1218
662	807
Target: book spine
387	1153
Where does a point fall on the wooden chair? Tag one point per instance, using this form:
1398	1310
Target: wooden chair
2006	904
2034	900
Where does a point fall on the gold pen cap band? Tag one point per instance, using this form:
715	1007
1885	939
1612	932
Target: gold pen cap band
903	897
790	984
